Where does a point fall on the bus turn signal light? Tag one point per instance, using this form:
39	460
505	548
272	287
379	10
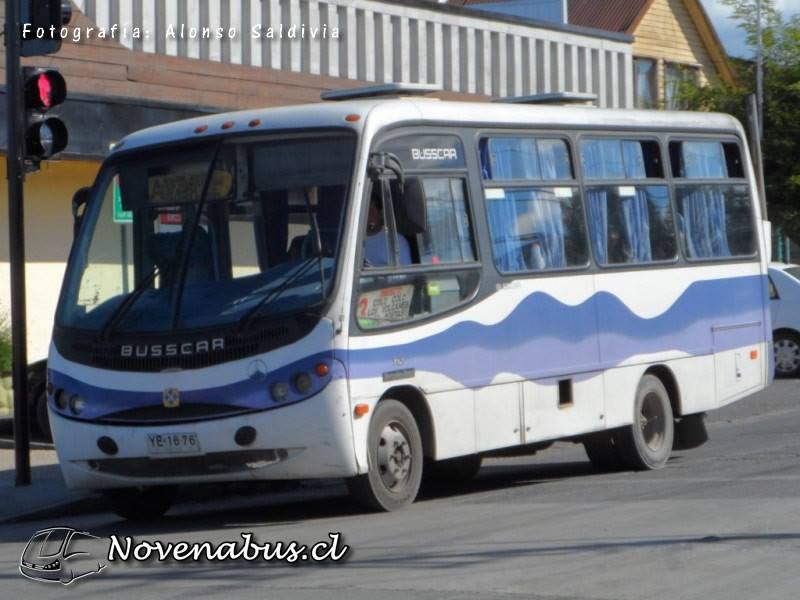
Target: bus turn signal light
322	369
753	354
360	410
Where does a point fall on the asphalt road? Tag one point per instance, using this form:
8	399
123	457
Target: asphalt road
721	521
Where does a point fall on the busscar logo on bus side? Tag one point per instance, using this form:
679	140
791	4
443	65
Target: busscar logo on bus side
434	154
168	350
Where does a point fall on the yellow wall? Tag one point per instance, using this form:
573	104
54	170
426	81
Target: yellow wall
668	33
48	238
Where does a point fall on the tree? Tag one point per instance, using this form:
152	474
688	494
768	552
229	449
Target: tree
781	137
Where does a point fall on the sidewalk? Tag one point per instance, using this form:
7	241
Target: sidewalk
47	495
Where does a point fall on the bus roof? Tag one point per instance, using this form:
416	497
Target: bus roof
377	113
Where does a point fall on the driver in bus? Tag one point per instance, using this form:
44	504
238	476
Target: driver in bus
376	247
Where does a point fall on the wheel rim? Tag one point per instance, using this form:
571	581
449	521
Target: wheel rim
394	457
787	356
652	421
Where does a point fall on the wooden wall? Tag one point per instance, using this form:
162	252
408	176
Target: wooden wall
675	31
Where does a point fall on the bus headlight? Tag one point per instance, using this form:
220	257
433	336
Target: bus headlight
280	391
62	399
76	404
302	382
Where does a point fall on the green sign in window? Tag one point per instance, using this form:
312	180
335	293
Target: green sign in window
120	215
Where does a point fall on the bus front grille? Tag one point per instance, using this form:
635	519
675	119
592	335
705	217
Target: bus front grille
214	463
153	415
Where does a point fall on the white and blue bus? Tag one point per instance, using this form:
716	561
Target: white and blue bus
370	287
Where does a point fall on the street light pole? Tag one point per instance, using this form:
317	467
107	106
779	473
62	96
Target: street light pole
760	69
16	236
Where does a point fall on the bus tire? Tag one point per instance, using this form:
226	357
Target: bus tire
140	504
647	443
602	452
37	394
394	452
461	468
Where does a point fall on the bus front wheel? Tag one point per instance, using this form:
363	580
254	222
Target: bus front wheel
140	504
647	443
394	451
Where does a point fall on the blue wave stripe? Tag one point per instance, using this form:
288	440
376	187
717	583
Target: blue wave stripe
543	337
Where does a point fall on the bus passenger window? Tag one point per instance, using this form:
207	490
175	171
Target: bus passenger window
534	226
715	214
535	229
621	159
716	221
514	158
631	224
630	221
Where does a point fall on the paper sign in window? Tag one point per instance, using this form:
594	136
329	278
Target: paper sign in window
388	304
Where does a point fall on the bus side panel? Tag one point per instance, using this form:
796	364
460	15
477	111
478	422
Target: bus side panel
454	423
561	407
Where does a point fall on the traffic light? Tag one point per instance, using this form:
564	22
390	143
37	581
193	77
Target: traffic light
41	22
44	136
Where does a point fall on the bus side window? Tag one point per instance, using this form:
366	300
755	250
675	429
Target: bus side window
421	288
627	201
533	204
713	199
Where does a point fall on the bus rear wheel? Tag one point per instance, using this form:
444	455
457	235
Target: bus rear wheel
140	504
647	443
394	451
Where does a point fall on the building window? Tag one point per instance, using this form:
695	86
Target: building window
646	82
676	76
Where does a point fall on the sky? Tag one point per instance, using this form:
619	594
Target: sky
732	36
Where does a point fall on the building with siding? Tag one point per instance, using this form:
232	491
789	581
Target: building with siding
673	40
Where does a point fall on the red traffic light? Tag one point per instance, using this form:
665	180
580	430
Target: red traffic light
45	135
44	88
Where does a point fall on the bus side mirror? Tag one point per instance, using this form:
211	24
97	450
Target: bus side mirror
411	211
79	201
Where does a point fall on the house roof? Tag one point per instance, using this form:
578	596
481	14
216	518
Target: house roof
611	15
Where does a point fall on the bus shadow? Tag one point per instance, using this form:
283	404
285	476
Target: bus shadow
272	504
499	476
307	502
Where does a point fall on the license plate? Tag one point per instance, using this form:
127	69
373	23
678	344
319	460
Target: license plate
161	444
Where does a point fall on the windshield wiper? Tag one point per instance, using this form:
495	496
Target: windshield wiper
187	241
129	301
269	298
317	238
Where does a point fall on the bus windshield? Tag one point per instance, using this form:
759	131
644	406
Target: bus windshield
209	234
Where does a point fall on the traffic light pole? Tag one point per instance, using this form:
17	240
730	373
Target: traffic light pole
16	225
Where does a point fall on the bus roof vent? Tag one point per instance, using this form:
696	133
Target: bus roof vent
383	90
575	98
